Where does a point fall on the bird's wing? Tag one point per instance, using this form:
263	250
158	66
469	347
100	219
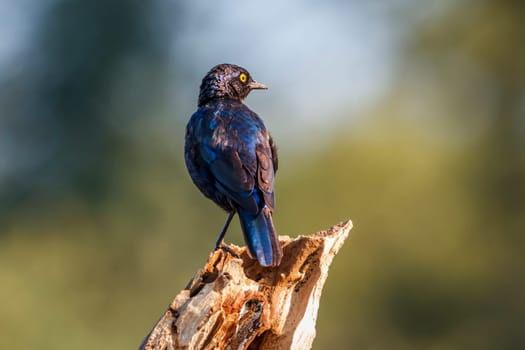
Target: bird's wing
275	158
240	156
265	173
234	179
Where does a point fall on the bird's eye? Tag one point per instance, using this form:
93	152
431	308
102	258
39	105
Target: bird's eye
243	78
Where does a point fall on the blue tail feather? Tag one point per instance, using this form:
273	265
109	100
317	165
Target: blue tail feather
260	237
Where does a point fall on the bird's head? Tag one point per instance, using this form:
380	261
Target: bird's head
227	80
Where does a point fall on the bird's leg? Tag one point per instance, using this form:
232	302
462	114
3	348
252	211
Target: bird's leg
218	244
224	229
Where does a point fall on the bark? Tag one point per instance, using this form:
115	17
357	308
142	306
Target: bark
233	303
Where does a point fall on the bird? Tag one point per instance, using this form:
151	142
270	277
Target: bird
232	159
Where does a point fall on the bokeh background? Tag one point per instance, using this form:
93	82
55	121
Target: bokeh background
407	117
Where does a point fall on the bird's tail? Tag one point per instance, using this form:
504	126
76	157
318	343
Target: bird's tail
261	238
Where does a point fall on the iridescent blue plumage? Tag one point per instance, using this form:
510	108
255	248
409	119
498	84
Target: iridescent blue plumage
232	159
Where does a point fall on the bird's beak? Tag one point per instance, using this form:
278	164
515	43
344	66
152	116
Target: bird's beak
257	86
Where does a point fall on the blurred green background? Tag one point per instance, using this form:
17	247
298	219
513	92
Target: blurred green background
407	117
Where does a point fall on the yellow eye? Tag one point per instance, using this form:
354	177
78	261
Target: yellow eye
243	78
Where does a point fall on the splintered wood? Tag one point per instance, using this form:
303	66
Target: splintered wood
233	303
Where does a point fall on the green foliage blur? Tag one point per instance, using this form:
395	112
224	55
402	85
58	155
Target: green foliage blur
100	225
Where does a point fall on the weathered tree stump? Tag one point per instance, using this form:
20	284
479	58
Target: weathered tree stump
233	303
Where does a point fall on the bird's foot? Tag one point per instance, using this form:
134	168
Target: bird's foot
227	249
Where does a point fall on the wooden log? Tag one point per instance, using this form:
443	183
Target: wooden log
233	303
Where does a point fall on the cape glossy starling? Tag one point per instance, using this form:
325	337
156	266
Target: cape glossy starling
232	159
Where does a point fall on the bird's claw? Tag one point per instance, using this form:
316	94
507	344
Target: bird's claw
227	249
